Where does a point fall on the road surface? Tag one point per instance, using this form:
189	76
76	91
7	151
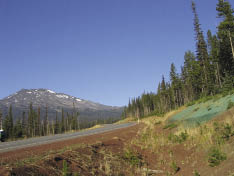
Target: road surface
10	146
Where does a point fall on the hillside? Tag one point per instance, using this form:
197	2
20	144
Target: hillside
204	110
55	102
157	146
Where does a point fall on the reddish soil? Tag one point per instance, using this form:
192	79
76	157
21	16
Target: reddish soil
112	153
114	141
125	134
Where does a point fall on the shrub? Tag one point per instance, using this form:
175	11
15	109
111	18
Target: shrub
175	167
191	103
174	138
65	168
196	173
196	109
157	123
170	126
132	158
215	156
216	98
183	136
227	131
230	105
225	93
178	138
223	131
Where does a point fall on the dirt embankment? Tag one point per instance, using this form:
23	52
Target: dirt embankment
150	148
81	154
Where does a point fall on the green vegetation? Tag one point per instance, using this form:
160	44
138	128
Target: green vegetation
65	168
215	156
230	105
182	137
133	158
31	124
203	111
222	132
196	173
174	167
170	126
206	73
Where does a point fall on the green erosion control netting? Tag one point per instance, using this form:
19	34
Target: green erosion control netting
203	112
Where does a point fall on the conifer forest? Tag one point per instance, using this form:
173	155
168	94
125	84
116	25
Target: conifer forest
208	71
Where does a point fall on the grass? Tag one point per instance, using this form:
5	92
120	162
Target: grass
178	138
133	158
170	126
208	138
215	156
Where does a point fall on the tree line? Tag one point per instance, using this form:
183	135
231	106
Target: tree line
32	123
208	71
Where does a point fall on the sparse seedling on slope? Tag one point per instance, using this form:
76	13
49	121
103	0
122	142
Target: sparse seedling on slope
65	168
215	156
175	167
170	126
196	173
133	158
178	138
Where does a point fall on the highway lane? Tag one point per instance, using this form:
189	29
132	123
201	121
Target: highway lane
13	145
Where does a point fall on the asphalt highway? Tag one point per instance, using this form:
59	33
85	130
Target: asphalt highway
13	145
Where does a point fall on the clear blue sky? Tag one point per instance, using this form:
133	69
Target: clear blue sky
101	50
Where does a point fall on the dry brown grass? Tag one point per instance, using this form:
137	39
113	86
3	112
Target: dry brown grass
129	119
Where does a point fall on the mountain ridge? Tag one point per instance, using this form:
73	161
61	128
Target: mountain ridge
55	102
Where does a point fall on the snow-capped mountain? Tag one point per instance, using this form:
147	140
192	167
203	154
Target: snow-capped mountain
21	100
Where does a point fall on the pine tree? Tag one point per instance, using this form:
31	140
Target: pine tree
6	126
226	37
24	124
31	121
62	122
0	119
174	85
56	127
46	124
201	49
213	46
18	131
38	121
10	115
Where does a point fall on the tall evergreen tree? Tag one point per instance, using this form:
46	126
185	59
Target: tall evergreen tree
213	46
24	125
11	125
38	127
18	131
201	49
46	124
0	119
56	126
226	38
62	122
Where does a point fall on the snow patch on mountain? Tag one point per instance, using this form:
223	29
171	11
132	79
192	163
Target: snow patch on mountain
62	96
50	91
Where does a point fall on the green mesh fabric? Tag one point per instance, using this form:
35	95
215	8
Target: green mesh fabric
203	112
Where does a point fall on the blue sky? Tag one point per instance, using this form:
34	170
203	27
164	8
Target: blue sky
106	51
